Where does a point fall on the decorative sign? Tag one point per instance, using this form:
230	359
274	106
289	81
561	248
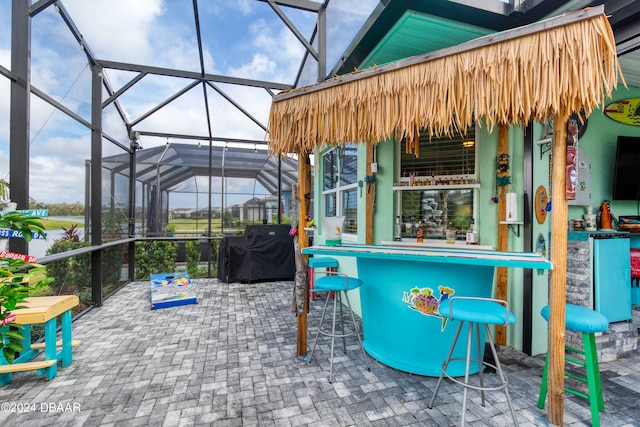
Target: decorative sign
14	255
30	212
6	233
626	111
541	201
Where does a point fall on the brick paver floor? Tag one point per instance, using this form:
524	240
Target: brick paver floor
230	360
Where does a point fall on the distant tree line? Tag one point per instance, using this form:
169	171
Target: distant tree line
59	209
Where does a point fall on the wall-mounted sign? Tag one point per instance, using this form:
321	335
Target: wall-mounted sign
625	111
6	233
541	201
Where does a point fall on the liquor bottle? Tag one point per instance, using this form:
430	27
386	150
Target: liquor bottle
398	230
451	233
472	233
420	232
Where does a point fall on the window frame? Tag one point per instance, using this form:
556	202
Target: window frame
439	182
341	188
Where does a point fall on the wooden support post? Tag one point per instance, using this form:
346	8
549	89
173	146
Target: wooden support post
370	196
502	285
558	276
304	200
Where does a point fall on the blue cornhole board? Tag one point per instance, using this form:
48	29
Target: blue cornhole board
170	290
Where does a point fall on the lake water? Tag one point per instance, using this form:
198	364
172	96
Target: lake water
38	247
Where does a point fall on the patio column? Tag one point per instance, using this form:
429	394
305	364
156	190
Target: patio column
96	183
370	197
304	200
558	276
20	111
502	285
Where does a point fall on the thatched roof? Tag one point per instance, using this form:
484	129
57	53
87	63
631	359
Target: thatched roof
529	73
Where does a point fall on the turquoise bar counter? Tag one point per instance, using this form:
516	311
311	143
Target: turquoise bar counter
403	290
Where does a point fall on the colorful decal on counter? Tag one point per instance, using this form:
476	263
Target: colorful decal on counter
423	300
626	111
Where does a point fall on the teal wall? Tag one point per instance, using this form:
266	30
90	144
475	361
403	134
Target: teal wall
598	142
540	279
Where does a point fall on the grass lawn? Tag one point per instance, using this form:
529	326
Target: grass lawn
200	224
57	224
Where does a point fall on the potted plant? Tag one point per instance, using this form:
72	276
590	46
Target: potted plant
170	229
15	276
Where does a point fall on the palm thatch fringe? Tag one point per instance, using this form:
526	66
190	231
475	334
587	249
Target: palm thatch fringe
531	77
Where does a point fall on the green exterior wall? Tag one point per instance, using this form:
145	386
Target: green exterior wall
598	142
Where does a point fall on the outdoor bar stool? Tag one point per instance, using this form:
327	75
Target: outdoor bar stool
330	264
588	322
340	284
476	311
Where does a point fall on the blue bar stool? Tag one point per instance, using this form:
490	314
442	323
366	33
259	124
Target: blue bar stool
340	284
476	311
588	322
328	263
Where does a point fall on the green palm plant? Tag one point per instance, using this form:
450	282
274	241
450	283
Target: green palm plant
24	223
15	275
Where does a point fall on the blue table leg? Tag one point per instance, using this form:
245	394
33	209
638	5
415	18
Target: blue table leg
27	354
50	349
4	378
66	339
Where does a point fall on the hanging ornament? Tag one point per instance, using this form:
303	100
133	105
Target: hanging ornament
502	179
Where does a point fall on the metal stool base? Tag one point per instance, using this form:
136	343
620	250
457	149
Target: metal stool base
356	330
481	365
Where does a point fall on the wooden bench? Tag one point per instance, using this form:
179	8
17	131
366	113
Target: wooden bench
43	310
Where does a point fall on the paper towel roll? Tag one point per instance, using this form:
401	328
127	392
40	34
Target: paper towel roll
512	207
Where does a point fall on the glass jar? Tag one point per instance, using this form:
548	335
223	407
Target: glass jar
451	233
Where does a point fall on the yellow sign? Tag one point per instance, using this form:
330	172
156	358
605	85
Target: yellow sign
625	111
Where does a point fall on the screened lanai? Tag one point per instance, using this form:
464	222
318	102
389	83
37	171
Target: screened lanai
135	114
201	175
137	109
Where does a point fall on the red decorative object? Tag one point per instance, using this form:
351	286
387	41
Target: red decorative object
635	263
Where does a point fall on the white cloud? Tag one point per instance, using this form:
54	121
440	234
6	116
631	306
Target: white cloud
58	179
260	65
281	48
241	38
119	28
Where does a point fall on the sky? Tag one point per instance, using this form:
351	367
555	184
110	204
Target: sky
241	38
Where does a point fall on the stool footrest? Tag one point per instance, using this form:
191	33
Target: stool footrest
576	361
576	393
576	377
574	350
329	334
455	380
